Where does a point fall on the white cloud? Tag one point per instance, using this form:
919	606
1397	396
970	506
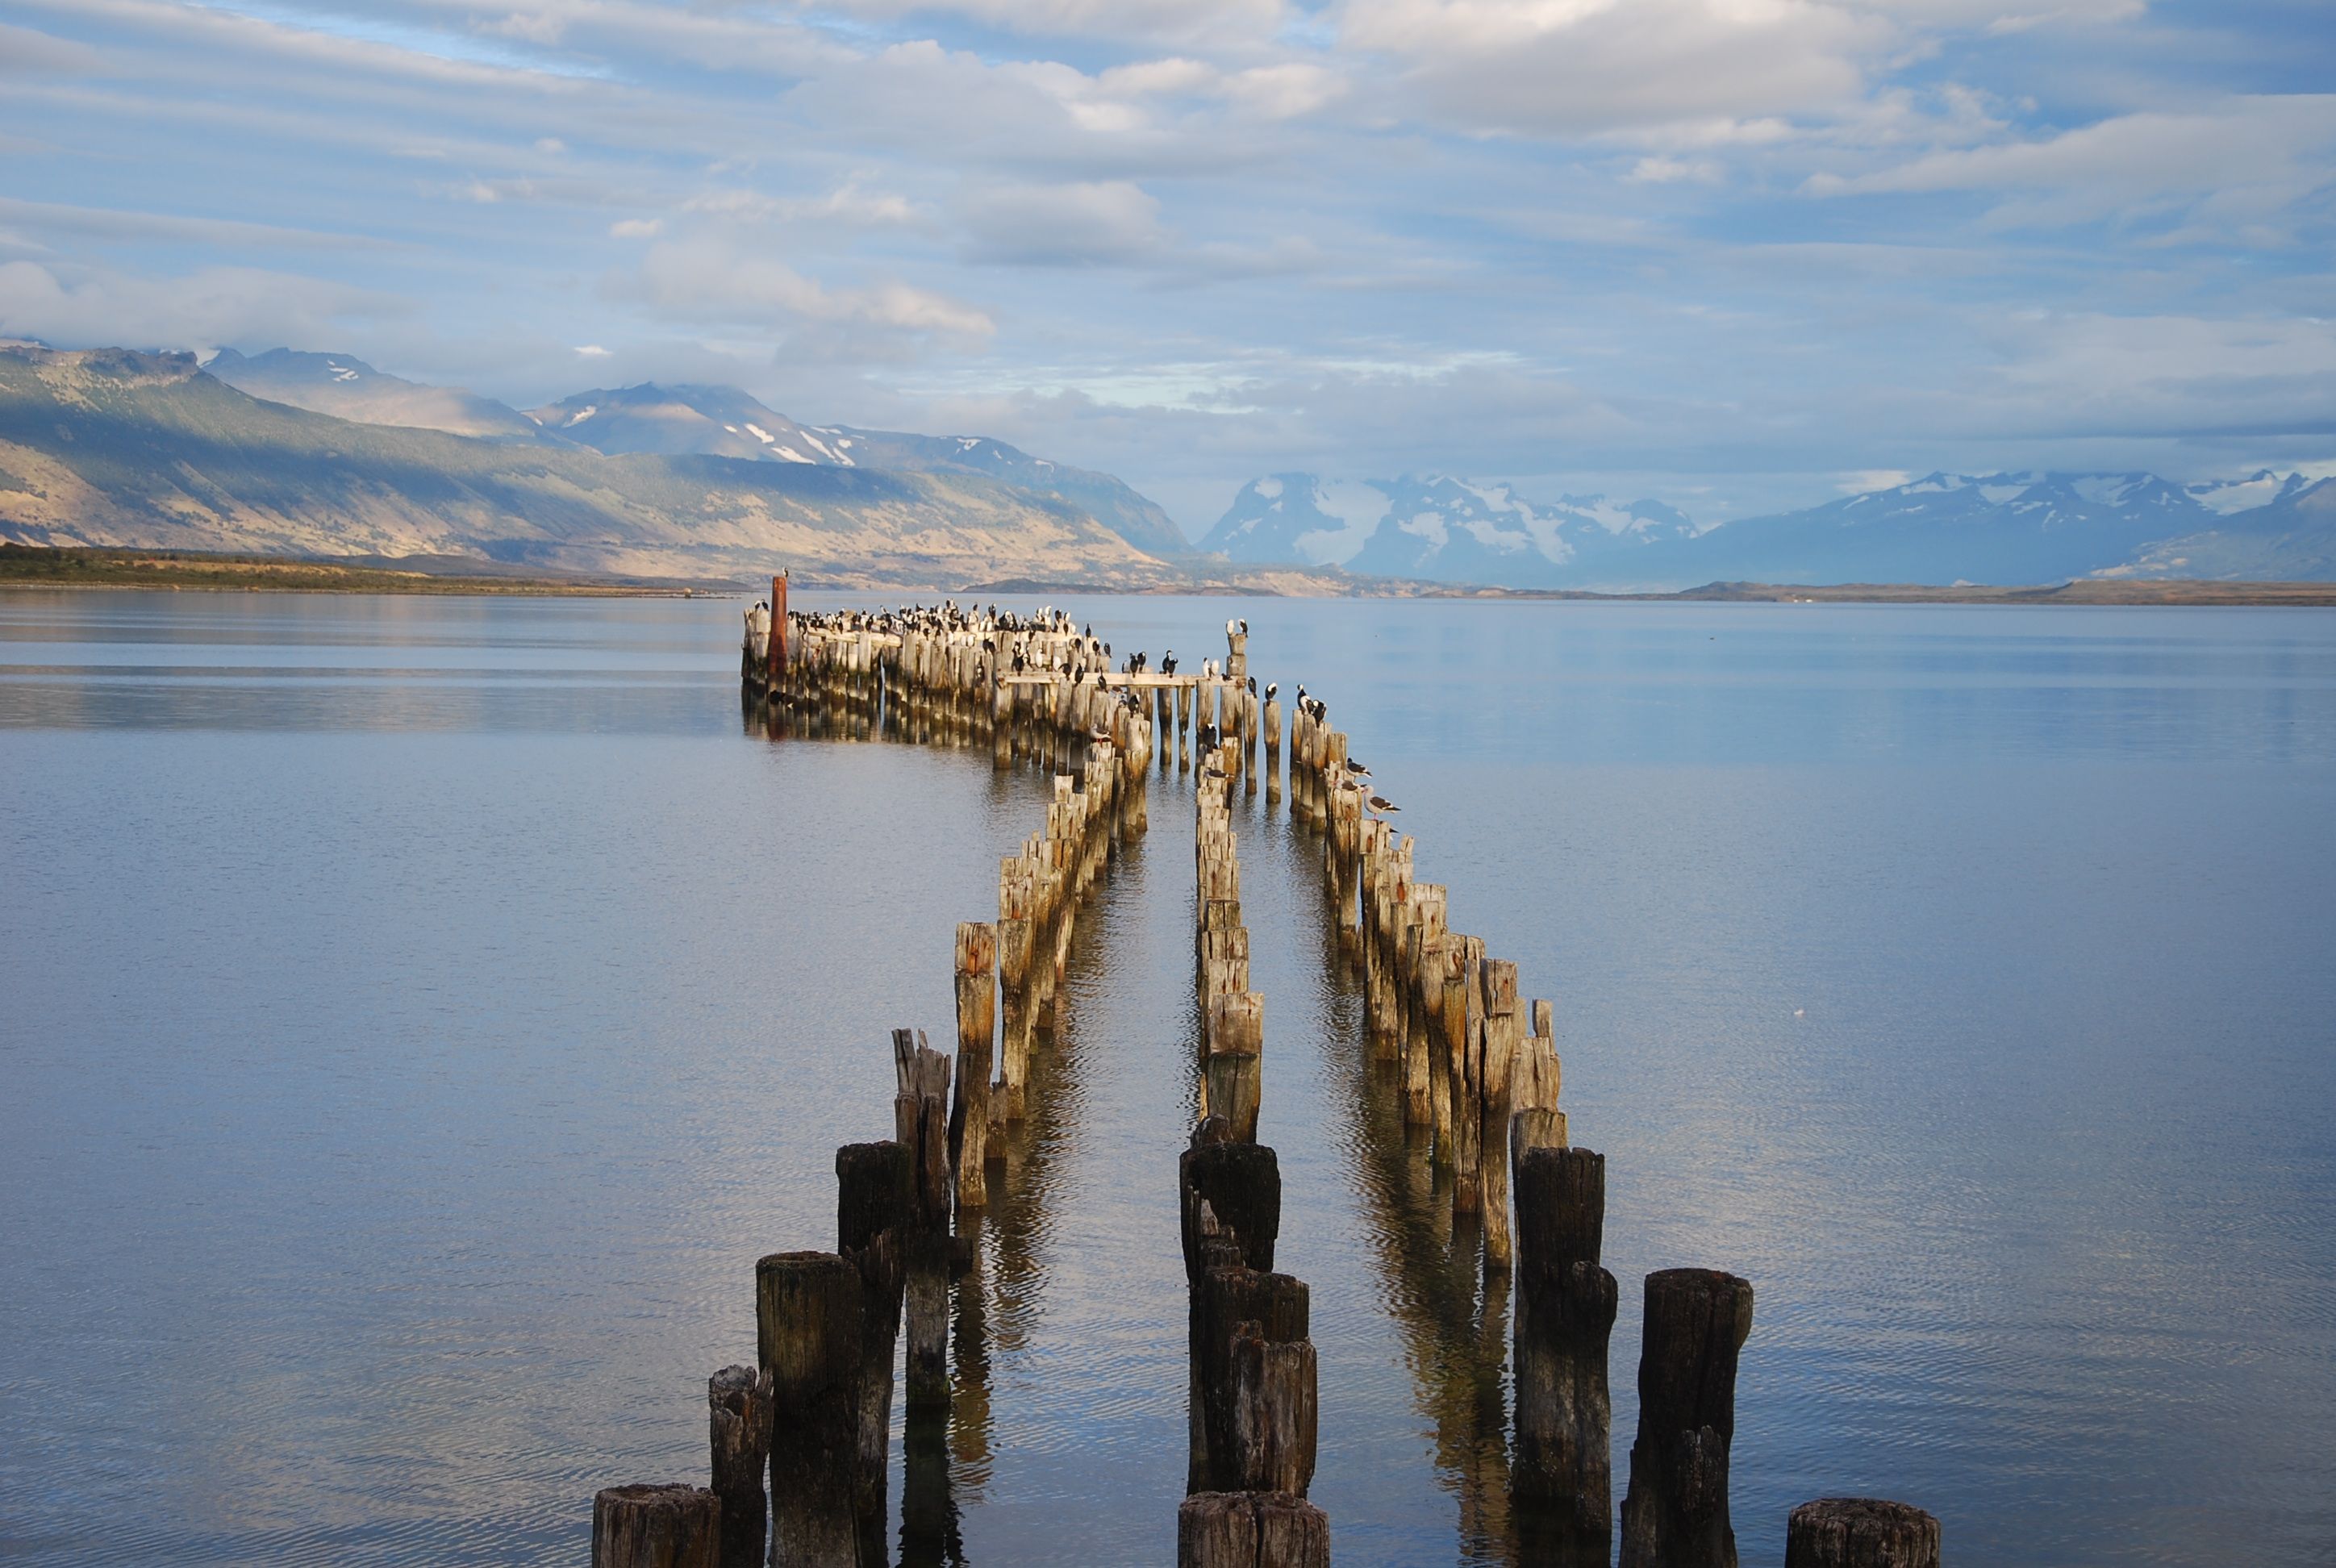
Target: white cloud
1063	225
591	351
636	228
712	280
84	306
2247	143
1580	67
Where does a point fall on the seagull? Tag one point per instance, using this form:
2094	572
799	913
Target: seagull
1381	804
1357	769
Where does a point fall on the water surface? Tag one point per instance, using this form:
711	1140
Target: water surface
420	1013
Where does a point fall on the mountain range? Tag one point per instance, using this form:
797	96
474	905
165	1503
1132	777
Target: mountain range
322	454
119	447
2000	528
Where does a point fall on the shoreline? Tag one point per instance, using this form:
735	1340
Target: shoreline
81	567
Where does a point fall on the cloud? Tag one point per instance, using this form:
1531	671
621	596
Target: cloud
1582	67
1078	225
2248	159
59	219
81	305
26	53
1215	20
705	279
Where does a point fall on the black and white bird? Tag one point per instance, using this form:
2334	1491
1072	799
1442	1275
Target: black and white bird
1381	804
1272	687
1357	769
1168	662
1244	626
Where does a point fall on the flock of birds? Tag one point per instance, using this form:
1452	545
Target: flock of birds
1067	648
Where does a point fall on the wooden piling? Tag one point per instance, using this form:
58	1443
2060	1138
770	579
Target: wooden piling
1563	1462
1675	1514
645	1527
1503	1032
1251	1529
977	993
1234	1071
1254	1374
738	1408
920	1125
875	1213
807	1312
1230	1192
1860	1532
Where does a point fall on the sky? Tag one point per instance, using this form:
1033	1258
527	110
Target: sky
1735	255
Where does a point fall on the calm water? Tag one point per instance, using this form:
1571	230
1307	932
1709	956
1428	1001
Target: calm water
417	1014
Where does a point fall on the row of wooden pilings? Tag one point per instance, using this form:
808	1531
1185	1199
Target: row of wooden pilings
1252	1400
811	1417
1475	1074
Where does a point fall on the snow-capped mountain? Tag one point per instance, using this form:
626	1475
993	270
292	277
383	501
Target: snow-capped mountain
1435	527
2291	538
1946	528
672	421
724	422
347	387
1943	528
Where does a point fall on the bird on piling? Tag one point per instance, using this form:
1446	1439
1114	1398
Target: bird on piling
1168	662
1232	626
1357	769
1272	687
1381	804
1244	626
1253	686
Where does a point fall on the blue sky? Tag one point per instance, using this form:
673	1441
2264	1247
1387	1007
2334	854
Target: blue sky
1735	254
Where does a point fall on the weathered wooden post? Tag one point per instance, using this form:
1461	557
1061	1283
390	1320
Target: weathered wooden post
977	1007
807	1313
1860	1532
920	1125
1229	1191
1236	1044
1255	1373
738	1408
1272	725
875	1213
1675	1514
667	1526
1251	1529
1564	1465
1504	1031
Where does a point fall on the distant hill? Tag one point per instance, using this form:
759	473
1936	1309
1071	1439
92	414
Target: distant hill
724	422
1942	529
114	447
347	387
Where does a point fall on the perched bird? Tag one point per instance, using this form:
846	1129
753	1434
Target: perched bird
1253	686
1244	626
1272	687
1357	769
1168	662
1381	804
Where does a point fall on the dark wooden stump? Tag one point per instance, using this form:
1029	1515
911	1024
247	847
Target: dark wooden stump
808	1315
875	1219
1251	1529
1240	1185
921	1122
738	1401
1676	1512
1255	1417
667	1526
1564	1466
1860	1532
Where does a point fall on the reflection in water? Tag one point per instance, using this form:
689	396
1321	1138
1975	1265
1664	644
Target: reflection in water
406	1047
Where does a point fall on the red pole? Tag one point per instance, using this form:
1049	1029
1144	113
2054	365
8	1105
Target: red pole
778	626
